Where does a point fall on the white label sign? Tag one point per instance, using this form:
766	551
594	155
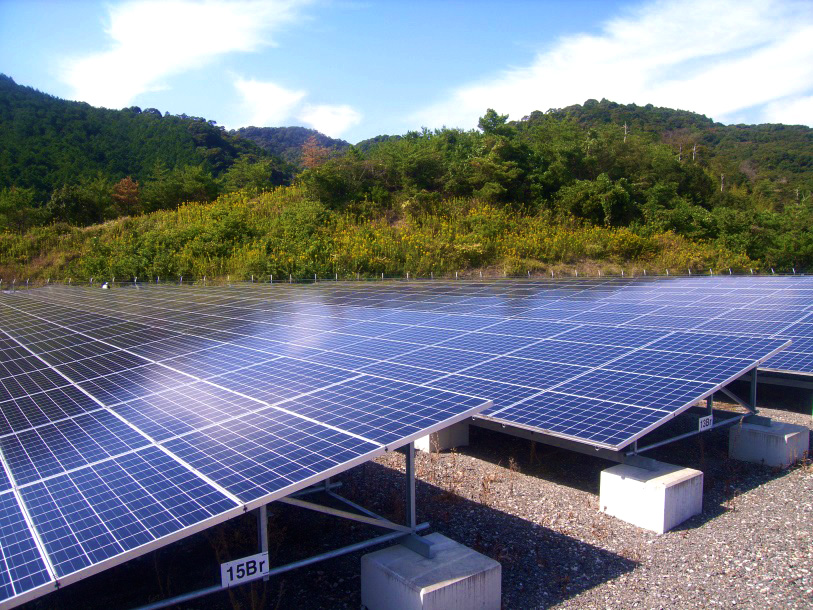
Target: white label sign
240	570
704	423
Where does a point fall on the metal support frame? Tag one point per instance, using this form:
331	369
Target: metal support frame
728	421
406	534
751	404
336	512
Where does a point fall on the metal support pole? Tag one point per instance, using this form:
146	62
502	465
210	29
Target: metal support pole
410	487
262	529
412	541
752	398
710	404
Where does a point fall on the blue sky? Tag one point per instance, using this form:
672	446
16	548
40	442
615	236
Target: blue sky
359	69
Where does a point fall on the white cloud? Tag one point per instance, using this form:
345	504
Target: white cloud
717	58
791	111
267	103
330	120
154	39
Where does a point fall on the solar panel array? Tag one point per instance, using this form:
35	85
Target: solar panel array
117	437
534	349
137	415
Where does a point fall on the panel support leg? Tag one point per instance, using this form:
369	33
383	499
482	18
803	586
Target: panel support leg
411	517
262	530
753	418
412	541
752	395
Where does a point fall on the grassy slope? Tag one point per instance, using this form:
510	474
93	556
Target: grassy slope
283	233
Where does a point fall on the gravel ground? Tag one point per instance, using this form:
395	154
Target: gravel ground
533	508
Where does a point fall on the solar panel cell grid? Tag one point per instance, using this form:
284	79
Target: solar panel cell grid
527	373
636	390
22	566
601	421
257	454
441	359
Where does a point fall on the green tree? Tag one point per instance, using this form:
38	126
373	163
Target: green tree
19	210
495	124
252	175
598	201
83	203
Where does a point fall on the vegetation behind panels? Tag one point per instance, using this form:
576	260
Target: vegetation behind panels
88	192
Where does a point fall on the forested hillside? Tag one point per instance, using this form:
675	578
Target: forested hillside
61	160
770	157
596	186
287	142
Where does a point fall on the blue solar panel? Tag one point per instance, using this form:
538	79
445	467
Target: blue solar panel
378	349
619	337
166	406
554	350
753	327
30	383
504	394
711	345
530	328
680	366
601	421
263	452
121	433
461	322
527	373
279	379
636	390
402	372
489	343
48	450
5	484
42	408
797	330
421	335
666	322
22	567
381	410
182	410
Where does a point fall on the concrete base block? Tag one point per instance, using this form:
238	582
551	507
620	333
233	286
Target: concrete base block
656	500
456	435
778	445
455	578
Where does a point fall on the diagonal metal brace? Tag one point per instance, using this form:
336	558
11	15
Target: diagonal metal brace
738	400
418	544
376	521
